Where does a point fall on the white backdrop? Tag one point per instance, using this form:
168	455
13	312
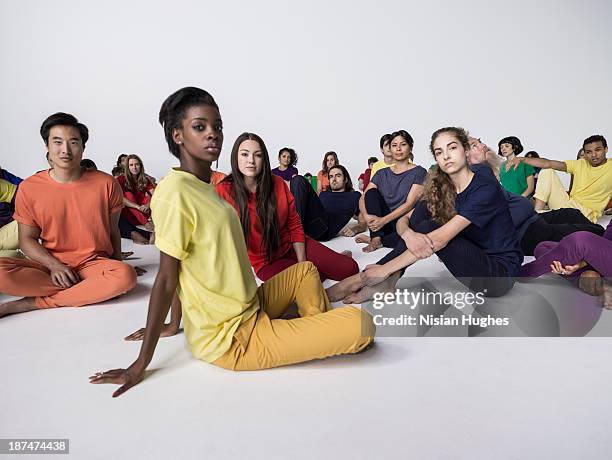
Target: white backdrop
314	75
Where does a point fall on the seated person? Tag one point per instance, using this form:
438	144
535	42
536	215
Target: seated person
324	216
463	218
364	177
330	159
532	227
392	193
137	192
74	213
9	240
581	254
387	159
287	159
519	180
10	178
592	185
272	229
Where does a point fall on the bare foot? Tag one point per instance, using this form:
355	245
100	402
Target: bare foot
149	226
375	243
152	238
126	254
362	239
347	253
367	292
17	306
591	282
138	238
345	287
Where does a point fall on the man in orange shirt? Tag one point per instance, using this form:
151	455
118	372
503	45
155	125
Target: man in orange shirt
75	214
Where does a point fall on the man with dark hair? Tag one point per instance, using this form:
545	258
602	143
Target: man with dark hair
592	186
9	241
387	159
325	215
74	213
364	178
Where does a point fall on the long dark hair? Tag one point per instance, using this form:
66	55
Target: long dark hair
265	196
138	183
348	183
440	192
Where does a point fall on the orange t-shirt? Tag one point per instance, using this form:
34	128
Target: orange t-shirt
74	218
323	179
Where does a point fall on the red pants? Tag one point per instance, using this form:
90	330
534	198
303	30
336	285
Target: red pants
330	263
101	279
134	216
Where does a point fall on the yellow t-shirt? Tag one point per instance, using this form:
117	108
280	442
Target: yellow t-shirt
592	186
7	191
217	287
380	164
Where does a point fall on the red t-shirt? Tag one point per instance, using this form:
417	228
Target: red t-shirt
290	226
141	196
74	218
365	177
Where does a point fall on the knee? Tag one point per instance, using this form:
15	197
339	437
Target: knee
125	276
298	183
425	226
583	240
361	324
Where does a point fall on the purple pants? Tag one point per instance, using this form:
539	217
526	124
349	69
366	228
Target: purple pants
594	250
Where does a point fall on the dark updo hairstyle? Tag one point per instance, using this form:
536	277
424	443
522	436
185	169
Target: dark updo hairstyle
293	158
514	141
440	192
172	111
63	119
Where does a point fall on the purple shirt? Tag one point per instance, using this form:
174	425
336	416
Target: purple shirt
287	174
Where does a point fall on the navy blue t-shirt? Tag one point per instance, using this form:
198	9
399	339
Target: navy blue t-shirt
484	204
340	208
522	212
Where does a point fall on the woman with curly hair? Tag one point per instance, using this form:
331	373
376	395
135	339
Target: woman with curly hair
463	218
137	192
287	159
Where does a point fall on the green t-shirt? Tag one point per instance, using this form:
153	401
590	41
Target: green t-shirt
515	179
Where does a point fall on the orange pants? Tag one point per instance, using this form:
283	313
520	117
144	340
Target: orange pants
101	279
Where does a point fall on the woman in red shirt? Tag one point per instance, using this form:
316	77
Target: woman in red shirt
137	192
272	229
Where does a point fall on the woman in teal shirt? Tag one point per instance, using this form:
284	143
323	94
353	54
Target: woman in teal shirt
519	180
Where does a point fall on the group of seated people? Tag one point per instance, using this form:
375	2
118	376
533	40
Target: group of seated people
215	234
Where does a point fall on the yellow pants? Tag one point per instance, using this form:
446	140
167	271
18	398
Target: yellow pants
9	240
550	190
264	341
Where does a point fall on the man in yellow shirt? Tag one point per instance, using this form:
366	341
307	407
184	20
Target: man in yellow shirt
387	156
592	187
9	239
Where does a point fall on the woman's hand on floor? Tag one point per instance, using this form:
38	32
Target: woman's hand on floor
168	330
558	268
127	378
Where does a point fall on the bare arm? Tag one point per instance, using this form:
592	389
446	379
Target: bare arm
415	194
162	294
530	186
540	163
300	251
61	275
441	236
130	204
115	235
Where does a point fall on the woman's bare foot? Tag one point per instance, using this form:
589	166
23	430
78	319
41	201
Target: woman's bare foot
375	243
138	238
149	226
126	254
362	239
345	287
591	282
367	292
347	253
17	306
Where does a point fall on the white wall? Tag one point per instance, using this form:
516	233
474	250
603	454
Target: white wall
315	75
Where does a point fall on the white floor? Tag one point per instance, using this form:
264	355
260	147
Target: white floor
544	398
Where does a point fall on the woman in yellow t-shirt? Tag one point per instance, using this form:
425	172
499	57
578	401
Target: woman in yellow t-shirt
204	269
